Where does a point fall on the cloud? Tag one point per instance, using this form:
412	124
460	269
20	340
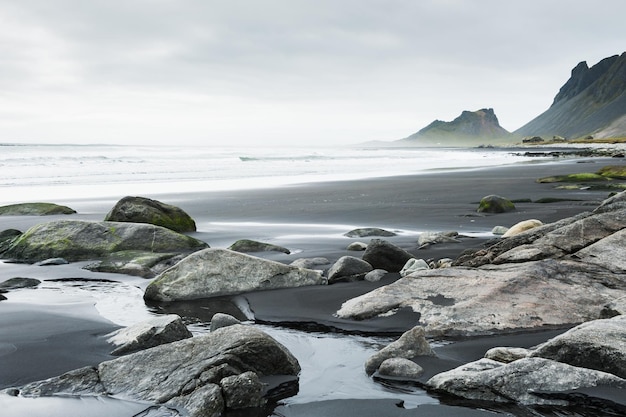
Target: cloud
342	70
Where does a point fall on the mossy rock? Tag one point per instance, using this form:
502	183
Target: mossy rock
145	210
7	237
495	204
77	240
613	171
35	209
581	177
247	246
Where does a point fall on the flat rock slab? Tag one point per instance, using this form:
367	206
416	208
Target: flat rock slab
35	209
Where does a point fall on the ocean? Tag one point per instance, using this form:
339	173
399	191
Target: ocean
31	173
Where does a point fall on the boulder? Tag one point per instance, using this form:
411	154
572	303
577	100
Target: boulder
375	275
185	374
432	238
348	268
413	265
461	301
220	320
382	254
215	272
310	263
495	204
137	263
150	333
529	381
598	344
506	354
242	391
145	210
77	240
369	231
400	368
17	283
35	209
246	245
410	345
522	226
357	246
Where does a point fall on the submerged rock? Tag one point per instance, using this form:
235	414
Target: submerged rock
137	263
154	332
35	209
369	231
77	240
247	245
214	272
145	210
18	282
186	374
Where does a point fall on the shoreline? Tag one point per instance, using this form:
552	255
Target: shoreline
310	220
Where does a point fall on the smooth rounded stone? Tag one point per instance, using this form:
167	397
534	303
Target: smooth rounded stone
400	368
310	263
348	268
369	231
145	210
488	380
250	246
242	391
357	246
154	332
499	230
597	344
411	344
413	265
220	320
137	263
382	254
35	209
522	226
432	238
52	261
185	374
495	204
77	240
215	272
19	282
506	354
375	275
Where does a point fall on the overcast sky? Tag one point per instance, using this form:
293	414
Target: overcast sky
253	72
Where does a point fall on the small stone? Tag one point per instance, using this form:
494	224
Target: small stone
506	354
400	368
375	275
220	320
357	246
413	265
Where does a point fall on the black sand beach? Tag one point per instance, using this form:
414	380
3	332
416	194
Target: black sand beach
42	337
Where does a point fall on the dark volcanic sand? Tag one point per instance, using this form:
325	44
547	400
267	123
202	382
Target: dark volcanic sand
309	219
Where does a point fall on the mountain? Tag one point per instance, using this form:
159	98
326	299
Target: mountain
470	128
591	102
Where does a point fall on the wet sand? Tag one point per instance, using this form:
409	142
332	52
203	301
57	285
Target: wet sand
37	341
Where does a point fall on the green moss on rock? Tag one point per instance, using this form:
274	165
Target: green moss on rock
145	210
495	204
581	177
35	209
613	171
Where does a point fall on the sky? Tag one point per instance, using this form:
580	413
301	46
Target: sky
285	72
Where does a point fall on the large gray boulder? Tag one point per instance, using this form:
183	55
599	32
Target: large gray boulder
186	374
77	240
528	381
495	298
598	344
34	209
146	210
382	254
214	272
348	268
410	345
150	333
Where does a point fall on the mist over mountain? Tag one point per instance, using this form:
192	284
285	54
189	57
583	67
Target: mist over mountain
591	102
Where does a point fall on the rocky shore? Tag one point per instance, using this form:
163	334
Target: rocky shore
555	288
